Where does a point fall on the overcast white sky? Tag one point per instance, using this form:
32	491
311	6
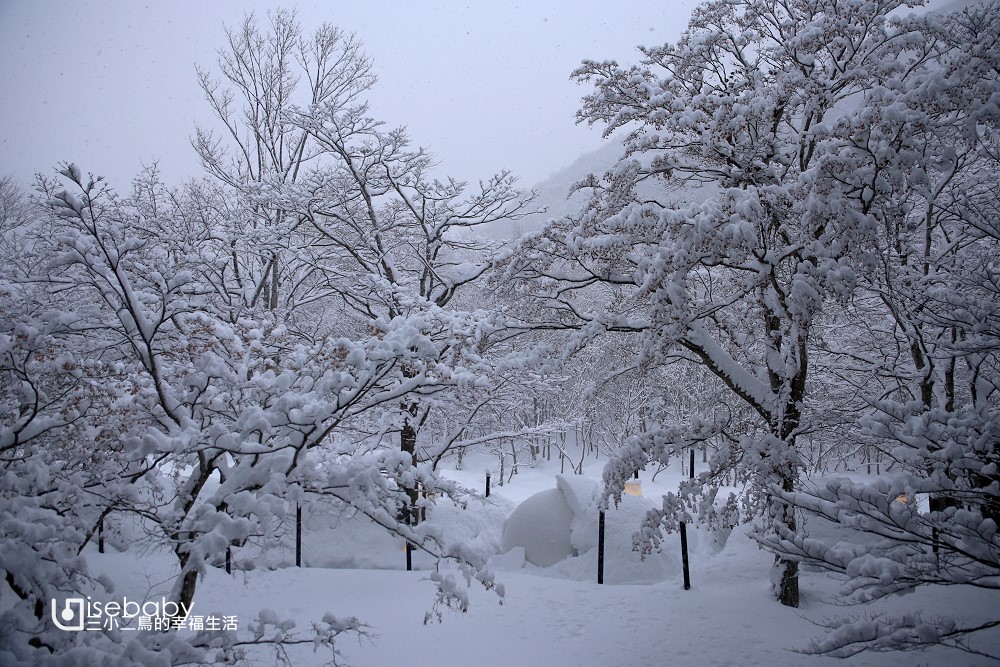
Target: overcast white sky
485	85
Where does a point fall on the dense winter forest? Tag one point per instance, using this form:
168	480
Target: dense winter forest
789	274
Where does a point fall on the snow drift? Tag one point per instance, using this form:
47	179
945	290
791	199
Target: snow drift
556	531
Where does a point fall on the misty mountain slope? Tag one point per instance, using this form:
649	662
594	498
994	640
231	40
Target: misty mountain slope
554	195
556	198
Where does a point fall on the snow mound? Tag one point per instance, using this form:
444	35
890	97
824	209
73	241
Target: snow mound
541	526
582	495
557	530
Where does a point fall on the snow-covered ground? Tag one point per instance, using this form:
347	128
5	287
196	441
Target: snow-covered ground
555	615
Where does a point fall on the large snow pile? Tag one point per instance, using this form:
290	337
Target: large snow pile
541	526
557	529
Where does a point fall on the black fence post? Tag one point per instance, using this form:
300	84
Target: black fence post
409	556
421	513
298	535
684	535
487	484
100	536
229	560
684	556
600	547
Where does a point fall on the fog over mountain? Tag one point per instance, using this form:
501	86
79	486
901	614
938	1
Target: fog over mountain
556	196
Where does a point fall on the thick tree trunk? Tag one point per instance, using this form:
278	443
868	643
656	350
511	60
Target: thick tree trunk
788	473
788	586
184	588
788	591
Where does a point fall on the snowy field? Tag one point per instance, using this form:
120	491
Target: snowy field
556	615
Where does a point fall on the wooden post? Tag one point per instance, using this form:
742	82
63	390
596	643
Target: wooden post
298	535
487	484
409	556
684	535
100	536
421	513
684	556
229	560
600	547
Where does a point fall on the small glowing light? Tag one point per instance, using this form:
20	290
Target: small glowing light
902	499
633	488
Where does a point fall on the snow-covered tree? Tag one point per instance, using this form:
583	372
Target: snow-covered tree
933	395
343	225
239	342
748	200
126	388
